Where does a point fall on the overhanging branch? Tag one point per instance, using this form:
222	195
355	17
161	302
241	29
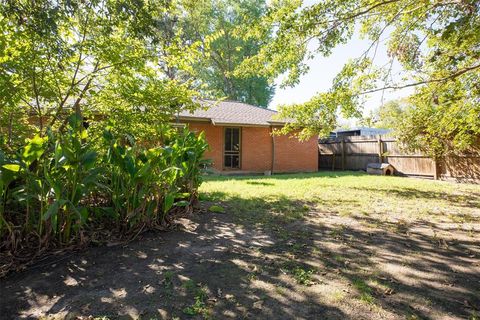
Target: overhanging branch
414	84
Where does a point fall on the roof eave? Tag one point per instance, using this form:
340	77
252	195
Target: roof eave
278	122
239	124
188	118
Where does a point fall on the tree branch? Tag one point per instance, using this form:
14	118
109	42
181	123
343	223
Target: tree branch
450	77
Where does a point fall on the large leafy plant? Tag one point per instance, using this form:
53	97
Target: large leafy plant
58	186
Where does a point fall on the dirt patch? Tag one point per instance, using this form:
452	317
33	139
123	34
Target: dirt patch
231	266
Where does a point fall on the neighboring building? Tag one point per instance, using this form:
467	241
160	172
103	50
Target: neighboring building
360	131
241	140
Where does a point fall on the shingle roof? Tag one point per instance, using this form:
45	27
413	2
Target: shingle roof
230	112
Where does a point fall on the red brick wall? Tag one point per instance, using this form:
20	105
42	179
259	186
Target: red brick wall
214	136
256	149
290	154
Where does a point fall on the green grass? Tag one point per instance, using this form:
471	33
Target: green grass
199	306
303	276
364	290
289	197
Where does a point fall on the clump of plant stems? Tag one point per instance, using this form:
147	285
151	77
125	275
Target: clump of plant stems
59	187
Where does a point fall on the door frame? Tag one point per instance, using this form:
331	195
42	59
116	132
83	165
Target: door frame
240	151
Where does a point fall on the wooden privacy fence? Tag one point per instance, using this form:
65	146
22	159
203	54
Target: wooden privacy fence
354	153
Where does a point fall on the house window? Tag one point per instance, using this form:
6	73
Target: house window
231	151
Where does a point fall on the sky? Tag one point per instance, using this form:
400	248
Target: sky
324	69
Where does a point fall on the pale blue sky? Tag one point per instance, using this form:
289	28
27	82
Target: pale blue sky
324	69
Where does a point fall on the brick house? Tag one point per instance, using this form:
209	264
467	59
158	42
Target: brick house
241	140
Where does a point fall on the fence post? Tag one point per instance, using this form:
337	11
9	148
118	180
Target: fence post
380	148
343	153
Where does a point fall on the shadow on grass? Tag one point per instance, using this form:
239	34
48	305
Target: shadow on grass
425	268
257	183
254	262
471	200
287	176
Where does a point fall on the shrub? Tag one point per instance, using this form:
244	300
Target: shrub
57	187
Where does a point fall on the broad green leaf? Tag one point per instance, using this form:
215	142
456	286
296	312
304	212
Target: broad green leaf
34	149
53	209
144	170
12	167
88	158
182	203
168	202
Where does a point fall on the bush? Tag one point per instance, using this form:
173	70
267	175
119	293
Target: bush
59	187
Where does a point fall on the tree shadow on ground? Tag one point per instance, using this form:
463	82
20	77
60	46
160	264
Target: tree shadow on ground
258	183
288	176
471	200
273	258
159	276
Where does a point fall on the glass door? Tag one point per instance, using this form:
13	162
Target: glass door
231	151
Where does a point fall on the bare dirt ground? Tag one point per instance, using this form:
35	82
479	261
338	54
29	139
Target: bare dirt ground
252	273
237	266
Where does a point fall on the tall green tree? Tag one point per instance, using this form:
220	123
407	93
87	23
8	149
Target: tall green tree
388	115
436	42
94	57
220	27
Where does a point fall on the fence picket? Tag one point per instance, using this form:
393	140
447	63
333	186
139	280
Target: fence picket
356	152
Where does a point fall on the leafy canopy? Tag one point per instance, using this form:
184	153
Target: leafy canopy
89	57
87	91
436	43
133	63
388	115
220	27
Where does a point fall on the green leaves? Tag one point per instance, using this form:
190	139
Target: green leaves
147	182
88	158
182	203
34	149
435	45
168	202
61	53
53	209
81	84
219	29
12	167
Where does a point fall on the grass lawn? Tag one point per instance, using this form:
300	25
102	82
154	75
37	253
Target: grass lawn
340	245
348	194
370	246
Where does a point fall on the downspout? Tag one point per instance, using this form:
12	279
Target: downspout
273	148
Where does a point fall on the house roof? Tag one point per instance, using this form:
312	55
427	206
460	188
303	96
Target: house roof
231	112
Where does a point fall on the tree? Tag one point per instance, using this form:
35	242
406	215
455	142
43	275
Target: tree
90	58
369	121
390	114
64	63
220	27
387	116
436	42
